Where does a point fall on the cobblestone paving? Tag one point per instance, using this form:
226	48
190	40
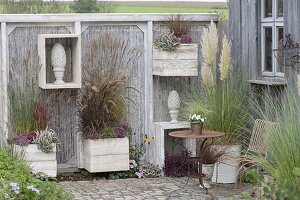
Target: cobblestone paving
156	188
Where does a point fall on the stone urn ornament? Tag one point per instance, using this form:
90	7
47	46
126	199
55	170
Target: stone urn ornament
173	104
58	60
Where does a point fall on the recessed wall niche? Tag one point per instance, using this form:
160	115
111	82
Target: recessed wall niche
60	61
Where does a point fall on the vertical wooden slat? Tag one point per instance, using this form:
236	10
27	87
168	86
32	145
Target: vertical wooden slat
79	134
149	116
253	39
4	79
235	26
292	26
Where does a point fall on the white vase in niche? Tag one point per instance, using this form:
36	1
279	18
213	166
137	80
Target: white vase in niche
173	104
58	59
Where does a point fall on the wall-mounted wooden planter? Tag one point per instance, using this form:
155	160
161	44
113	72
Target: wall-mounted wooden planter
38	160
106	155
182	62
72	46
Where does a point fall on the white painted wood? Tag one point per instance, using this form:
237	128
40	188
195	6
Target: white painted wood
183	52
106	155
76	61
148	40
156	151
79	149
38	160
107	17
4	75
182	62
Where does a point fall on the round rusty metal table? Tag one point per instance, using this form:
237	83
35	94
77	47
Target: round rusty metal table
206	134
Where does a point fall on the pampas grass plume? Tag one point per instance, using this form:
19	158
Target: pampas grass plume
209	43
207	76
225	59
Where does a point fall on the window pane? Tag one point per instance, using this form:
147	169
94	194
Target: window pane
279	8
268	49
268	8
279	38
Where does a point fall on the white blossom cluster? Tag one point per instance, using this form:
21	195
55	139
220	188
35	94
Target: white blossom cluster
196	118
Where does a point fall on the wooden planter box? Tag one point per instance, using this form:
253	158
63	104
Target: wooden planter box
106	155
38	160
182	62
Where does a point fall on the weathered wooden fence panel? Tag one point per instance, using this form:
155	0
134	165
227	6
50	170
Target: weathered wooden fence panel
22	45
135	37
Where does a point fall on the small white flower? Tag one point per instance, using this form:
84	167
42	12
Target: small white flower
132	164
33	188
15	187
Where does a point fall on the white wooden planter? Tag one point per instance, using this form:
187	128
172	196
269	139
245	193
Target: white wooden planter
226	170
38	160
182	62
106	155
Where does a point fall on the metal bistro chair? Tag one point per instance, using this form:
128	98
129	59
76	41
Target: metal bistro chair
257	143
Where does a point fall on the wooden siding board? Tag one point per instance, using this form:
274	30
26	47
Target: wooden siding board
252	37
292	26
235	27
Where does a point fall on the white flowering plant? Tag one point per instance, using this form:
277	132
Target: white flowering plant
196	119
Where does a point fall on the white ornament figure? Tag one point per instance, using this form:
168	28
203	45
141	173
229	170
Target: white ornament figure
58	59
173	104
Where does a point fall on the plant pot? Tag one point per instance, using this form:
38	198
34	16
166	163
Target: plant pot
208	170
226	170
38	160
105	155
196	128
181	62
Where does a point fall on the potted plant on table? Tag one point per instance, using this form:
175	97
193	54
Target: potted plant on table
197	122
174	54
103	105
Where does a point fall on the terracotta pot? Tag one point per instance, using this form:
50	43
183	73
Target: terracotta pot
196	128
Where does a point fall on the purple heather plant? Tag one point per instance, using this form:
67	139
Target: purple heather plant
92	134
175	164
123	130
25	139
186	39
21	140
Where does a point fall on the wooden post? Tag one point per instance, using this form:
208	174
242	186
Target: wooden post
79	150
148	78
4	75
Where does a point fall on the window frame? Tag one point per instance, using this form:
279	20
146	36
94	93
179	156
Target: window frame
274	22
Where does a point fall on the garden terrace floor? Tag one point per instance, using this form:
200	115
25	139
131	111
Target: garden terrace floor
148	188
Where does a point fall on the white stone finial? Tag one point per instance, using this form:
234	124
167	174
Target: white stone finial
58	60
173	104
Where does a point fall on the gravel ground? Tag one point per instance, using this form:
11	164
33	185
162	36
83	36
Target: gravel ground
148	188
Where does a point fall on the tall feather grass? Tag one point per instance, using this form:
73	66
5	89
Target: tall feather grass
221	98
283	143
103	99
